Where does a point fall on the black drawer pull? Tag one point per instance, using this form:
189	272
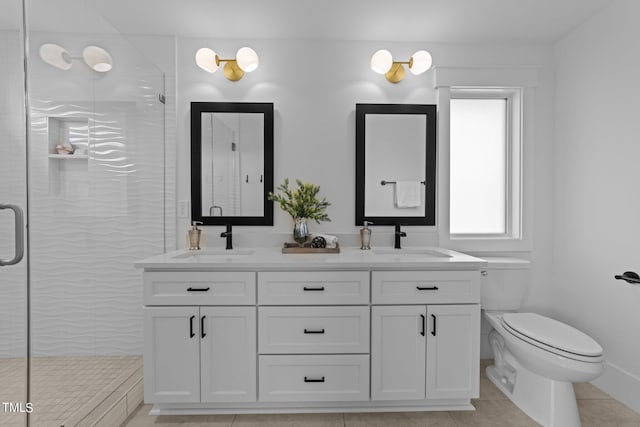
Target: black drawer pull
314	331
314	380
198	289
202	333
191	333
427	288
309	288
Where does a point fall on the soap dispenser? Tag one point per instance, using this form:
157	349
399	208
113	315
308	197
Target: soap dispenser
365	236
194	236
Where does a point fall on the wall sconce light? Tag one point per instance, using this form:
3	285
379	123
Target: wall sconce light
382	63
246	61
95	57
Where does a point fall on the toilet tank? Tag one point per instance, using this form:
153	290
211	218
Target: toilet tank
504	283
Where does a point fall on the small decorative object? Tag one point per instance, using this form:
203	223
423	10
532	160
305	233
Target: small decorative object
300	230
64	149
318	242
302	204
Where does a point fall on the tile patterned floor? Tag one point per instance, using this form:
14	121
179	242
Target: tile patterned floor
63	388
493	409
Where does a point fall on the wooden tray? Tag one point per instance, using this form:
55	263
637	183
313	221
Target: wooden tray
294	248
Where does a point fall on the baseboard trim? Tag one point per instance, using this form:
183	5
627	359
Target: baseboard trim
621	385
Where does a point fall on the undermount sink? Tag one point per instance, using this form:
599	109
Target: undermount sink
411	252
215	253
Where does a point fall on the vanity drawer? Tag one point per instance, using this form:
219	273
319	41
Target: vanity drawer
199	288
299	330
314	378
425	287
313	288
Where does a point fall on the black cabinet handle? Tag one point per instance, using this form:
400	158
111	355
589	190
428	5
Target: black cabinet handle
427	288
314	331
424	321
310	288
314	380
202	333
191	333
198	289
629	277
433	331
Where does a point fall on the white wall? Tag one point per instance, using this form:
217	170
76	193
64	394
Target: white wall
597	190
314	86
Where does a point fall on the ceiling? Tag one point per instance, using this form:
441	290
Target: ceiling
436	21
444	21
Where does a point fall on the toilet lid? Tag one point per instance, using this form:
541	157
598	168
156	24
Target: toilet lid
553	333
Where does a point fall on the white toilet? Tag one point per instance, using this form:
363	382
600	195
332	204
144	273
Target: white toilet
536	359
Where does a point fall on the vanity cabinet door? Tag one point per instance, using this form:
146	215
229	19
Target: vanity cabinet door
171	355
398	341
453	342
228	354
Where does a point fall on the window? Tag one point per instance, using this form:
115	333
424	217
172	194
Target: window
485	159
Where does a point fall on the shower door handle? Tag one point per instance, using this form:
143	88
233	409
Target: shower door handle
19	235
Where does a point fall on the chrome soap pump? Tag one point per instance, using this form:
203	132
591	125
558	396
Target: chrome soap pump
365	236
194	236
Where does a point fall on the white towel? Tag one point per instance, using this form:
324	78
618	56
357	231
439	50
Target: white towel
407	194
332	241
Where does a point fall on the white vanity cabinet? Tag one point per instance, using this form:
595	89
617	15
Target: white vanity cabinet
424	349
201	353
274	333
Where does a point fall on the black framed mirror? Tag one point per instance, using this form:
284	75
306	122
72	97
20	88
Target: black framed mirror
396	164
231	163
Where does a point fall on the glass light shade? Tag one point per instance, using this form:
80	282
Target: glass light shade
97	58
381	61
421	62
207	60
55	55
247	59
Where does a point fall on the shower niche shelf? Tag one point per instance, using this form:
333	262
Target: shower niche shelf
68	156
68	173
68	130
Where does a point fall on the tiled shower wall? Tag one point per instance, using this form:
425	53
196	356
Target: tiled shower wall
91	218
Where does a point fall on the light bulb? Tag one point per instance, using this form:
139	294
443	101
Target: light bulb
55	55
381	61
207	60
247	59
420	62
97	58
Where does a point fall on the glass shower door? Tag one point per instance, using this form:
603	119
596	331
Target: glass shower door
13	202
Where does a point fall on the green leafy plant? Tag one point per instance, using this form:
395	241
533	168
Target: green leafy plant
301	202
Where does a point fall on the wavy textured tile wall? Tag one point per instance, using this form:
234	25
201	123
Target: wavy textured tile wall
92	218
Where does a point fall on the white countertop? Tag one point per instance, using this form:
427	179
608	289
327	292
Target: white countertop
264	259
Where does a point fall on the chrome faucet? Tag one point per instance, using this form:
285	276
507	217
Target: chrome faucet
398	234
215	207
228	234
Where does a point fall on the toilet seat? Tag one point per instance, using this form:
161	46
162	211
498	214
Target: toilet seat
553	336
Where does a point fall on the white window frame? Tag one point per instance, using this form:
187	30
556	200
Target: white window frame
513	161
520	204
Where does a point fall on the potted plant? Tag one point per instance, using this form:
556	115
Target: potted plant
302	204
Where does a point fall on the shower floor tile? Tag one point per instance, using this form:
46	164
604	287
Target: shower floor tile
64	390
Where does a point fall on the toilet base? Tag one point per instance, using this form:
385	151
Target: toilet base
550	403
